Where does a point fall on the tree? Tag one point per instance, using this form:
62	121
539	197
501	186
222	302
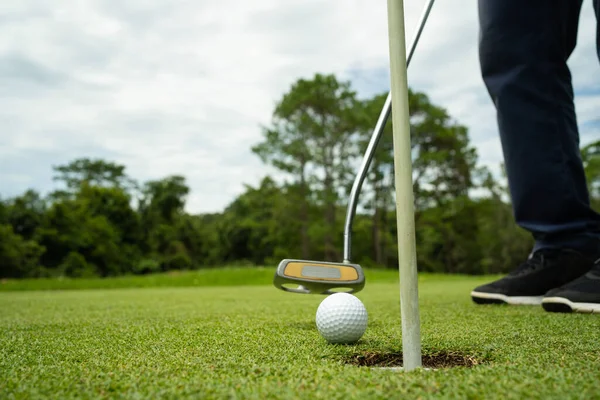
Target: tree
161	206
377	195
502	244
590	155
199	235
18	257
312	139
25	213
257	227
443	164
100	223
3	211
166	197
114	204
94	172
96	228
443	157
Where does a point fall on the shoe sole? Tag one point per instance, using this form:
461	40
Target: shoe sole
496	298
562	305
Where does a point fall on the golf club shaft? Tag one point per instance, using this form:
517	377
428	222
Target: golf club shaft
375	137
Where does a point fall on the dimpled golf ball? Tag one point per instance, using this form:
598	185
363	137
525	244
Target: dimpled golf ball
341	318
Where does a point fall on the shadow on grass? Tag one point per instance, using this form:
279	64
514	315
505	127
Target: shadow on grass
311	326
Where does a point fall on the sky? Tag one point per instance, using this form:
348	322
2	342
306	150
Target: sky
170	87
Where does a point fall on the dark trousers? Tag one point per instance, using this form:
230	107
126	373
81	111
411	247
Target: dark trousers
523	49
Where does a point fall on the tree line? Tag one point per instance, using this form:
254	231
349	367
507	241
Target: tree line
102	222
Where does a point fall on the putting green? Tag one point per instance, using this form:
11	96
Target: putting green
258	342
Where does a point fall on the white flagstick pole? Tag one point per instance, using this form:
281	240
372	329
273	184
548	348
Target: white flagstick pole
409	296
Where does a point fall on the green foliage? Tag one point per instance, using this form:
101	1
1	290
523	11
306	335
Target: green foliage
591	161
18	257
176	257
79	225
25	213
99	221
74	265
502	243
165	198
146	266
91	172
313	139
443	164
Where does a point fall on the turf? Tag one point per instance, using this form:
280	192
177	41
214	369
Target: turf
241	276
258	342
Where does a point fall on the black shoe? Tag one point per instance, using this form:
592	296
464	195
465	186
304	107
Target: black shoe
544	270
582	295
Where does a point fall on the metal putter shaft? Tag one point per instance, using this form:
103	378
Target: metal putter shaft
319	277
375	137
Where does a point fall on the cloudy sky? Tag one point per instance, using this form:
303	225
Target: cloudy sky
182	87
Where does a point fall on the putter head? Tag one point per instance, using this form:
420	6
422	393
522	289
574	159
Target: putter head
318	277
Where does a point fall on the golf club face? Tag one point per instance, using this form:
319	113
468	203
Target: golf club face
318	277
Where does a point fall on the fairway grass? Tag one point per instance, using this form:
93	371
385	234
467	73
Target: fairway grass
232	276
258	342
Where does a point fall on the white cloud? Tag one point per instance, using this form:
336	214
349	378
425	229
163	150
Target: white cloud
182	87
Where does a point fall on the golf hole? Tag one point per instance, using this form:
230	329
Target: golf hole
393	361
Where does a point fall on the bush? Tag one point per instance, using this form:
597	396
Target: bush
18	257
147	266
179	261
74	265
177	257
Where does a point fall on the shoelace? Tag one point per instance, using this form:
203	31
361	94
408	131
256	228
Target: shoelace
595	271
537	260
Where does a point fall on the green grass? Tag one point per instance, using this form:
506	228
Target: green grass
248	276
257	342
204	277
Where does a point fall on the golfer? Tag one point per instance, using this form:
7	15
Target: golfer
524	47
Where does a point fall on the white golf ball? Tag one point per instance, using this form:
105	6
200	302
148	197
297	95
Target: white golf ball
342	318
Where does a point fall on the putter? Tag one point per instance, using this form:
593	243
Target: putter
319	277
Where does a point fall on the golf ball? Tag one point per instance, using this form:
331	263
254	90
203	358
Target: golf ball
342	318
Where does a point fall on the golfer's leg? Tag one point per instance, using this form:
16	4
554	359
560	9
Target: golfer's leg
524	47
